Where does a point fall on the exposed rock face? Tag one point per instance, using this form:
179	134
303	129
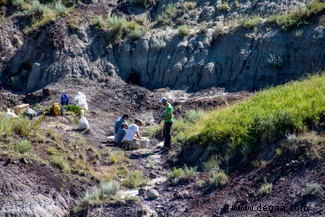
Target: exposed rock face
241	59
25	191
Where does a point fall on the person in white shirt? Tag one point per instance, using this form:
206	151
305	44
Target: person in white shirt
132	135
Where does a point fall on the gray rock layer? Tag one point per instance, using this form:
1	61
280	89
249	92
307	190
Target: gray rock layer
242	59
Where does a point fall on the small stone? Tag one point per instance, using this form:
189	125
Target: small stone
152	194
142	191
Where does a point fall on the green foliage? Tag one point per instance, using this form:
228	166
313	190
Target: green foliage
265	189
265	118
312	189
102	192
192	116
212	163
116	157
223	7
298	17
136	33
60	162
251	22
275	61
218	177
60	8
182	174
168	14
22	127
189	5
134	179
153	130
183	30
159	43
218	31
73	108
23	146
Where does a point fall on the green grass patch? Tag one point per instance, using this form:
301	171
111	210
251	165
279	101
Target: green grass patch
265	118
187	173
298	17
251	22
23	146
73	108
60	162
134	179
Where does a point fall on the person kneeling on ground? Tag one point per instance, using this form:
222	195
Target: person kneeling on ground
121	133
132	136
118	125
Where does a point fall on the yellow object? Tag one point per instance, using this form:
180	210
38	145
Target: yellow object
20	109
56	108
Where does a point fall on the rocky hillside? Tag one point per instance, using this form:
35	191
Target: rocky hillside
189	45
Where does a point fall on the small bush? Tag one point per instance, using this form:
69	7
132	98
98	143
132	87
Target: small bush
189	5
23	146
265	189
275	61
134	179
99	22
251	22
167	15
52	151
218	177
193	115
312	189
109	189
159	43
182	174
218	31
73	108
175	173
183	30
136	33
116	157
59	162
60	8
223	7
212	163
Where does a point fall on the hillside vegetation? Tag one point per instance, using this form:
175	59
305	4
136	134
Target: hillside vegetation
266	118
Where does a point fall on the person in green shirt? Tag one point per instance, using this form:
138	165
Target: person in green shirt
168	121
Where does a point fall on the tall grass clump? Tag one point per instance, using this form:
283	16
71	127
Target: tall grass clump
23	146
298	17
102	192
21	127
265	118
167	15
187	173
251	22
134	179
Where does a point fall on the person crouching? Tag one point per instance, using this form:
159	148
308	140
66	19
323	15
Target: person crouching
132	136
120	135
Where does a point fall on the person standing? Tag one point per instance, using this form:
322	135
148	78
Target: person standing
118	124
168	121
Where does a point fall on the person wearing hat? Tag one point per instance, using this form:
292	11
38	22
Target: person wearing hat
118	124
132	136
168	121
121	133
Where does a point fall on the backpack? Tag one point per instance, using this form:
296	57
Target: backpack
56	108
65	99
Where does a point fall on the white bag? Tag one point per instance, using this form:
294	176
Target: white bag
81	101
11	114
83	123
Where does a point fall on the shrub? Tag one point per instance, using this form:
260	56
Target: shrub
116	157
212	163
275	61
109	189
99	22
312	189
23	146
134	179
60	8
218	31
73	108
159	43
117	26
183	30
193	115
265	189
182	174
59	162
298	17
189	5
167	15
218	177
251	22
136	33
223	7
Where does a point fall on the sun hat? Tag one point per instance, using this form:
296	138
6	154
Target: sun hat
163	100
